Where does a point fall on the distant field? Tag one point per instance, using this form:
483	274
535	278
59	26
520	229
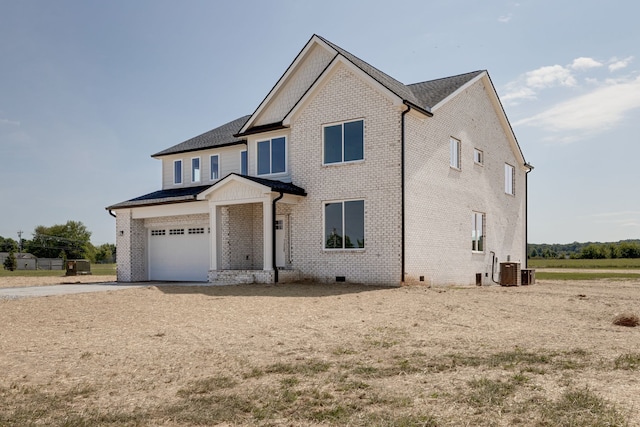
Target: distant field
621	263
96	269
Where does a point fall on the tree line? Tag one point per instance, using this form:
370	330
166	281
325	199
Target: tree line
588	250
71	240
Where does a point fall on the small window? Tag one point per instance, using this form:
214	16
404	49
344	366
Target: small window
478	156
344	225
176	231
177	171
509	179
158	232
243	162
344	142
272	156
214	163
477	232
195	169
454	153
199	230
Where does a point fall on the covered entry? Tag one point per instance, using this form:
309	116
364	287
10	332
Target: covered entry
248	227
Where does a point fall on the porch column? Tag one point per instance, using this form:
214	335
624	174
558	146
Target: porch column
213	237
267	234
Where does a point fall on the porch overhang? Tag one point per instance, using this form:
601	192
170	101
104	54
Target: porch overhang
234	189
237	189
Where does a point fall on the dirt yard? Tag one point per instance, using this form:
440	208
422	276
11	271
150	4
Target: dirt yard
20	281
546	354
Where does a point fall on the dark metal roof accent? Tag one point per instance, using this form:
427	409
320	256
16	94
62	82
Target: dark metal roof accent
284	187
221	136
431	92
190	194
173	195
261	128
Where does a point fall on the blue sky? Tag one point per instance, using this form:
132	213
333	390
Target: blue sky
90	89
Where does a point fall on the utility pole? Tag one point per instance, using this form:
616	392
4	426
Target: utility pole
20	240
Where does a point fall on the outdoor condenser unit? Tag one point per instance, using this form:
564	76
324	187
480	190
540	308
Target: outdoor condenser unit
509	273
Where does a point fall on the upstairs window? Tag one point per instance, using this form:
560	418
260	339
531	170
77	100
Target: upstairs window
478	156
454	153
214	167
509	179
177	171
243	162
272	156
344	225
344	142
195	169
477	232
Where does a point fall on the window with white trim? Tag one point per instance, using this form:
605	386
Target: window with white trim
344	224
195	169
177	171
176	231
454	153
214	167
272	156
243	162
478	156
343	142
477	231
158	232
509	179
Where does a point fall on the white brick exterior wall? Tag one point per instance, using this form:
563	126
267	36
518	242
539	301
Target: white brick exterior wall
131	241
296	85
440	199
376	180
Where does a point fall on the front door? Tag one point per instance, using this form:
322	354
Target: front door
280	241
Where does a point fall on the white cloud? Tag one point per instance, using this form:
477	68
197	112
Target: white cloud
583	63
591	113
505	18
618	64
553	75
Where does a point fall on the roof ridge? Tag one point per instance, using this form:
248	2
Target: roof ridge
448	77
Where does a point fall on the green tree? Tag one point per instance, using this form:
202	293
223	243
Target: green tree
10	262
7	244
629	250
106	253
593	251
73	238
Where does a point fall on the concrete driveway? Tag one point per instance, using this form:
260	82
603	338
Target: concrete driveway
50	290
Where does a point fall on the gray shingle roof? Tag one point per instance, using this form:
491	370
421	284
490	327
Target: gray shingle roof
384	79
431	92
190	194
221	136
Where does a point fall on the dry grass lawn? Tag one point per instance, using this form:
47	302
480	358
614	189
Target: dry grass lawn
542	355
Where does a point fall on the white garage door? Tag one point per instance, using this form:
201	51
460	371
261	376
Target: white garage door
179	253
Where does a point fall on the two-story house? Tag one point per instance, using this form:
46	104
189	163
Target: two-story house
342	173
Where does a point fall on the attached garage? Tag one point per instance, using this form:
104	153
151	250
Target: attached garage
179	253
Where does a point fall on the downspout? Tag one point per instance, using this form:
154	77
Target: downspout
402	195
111	213
273	236
526	214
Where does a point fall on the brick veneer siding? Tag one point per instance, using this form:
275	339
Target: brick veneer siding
376	180
440	199
131	239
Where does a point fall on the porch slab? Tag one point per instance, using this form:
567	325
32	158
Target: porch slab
240	277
